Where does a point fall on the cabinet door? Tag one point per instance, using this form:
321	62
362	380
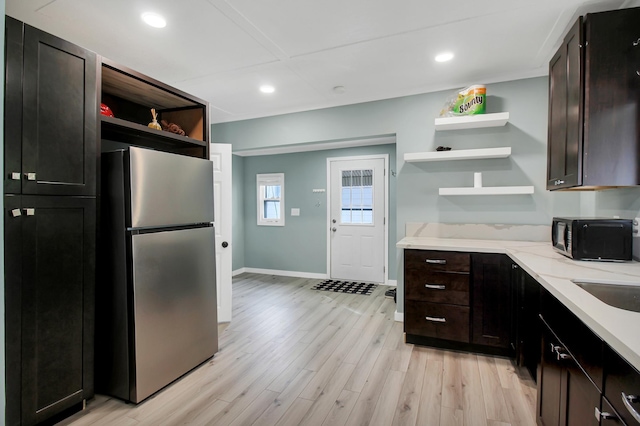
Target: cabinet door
564	151
530	324
59	121
612	84
13	302
58	268
566	395
13	107
491	299
552	384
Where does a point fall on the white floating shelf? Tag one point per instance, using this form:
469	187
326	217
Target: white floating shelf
472	121
463	154
488	190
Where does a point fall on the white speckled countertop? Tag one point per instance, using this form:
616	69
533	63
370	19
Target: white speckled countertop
553	271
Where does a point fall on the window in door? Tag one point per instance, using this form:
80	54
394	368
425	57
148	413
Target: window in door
357	197
270	199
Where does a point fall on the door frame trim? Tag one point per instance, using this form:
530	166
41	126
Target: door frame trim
384	157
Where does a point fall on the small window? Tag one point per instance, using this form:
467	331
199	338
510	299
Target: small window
357	197
270	199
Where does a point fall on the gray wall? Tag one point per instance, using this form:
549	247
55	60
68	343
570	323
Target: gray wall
301	245
411	120
2	373
237	231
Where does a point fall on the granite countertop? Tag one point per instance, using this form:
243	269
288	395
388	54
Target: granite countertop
554	272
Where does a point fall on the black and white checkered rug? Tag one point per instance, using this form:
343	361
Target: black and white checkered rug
345	287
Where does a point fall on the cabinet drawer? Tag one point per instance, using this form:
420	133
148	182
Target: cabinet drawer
621	377
442	321
440	287
431	260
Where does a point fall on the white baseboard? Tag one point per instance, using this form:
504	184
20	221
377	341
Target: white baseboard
238	272
392	283
398	316
286	273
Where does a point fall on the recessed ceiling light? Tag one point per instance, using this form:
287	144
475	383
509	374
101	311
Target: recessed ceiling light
267	88
154	20
444	57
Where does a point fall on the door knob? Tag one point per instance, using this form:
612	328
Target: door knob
334	229
225	244
16	213
334	221
15	176
30	176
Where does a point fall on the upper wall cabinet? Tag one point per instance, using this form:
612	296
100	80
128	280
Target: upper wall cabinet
50	114
594	81
131	96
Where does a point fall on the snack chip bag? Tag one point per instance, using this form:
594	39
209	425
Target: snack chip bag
468	101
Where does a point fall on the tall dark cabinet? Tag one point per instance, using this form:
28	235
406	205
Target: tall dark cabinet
50	223
593	136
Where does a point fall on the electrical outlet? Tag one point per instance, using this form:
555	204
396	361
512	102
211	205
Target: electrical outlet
636	226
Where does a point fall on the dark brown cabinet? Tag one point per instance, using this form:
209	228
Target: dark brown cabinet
131	96
570	375
51	114
458	300
492	307
526	332
50	264
593	137
437	295
621	390
50	223
566	395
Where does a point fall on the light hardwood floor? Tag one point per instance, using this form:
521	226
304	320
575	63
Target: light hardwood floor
296	356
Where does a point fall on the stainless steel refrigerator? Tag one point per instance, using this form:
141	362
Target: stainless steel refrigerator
156	291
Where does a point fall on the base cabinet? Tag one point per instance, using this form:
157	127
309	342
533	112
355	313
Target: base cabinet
49	278
458	300
621	389
566	395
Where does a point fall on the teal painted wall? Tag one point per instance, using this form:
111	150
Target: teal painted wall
237	243
411	120
2	373
301	245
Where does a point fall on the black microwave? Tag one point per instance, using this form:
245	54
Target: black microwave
593	239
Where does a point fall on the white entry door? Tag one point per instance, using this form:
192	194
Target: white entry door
357	219
221	157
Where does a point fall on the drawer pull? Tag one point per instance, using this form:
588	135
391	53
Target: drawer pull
435	319
437	261
604	415
435	286
627	400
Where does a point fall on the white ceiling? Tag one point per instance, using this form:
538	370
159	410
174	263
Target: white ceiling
223	50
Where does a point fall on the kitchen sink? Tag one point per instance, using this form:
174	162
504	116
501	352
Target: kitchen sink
619	294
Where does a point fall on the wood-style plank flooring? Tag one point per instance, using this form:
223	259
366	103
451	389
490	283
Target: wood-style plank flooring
296	356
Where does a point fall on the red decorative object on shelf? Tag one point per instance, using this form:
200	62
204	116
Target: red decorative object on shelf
105	110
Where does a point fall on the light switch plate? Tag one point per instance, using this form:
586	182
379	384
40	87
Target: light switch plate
295	212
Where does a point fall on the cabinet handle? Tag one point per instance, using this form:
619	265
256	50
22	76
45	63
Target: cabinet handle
636	43
30	212
30	176
15	213
435	319
437	261
15	176
604	415
558	182
627	400
435	286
